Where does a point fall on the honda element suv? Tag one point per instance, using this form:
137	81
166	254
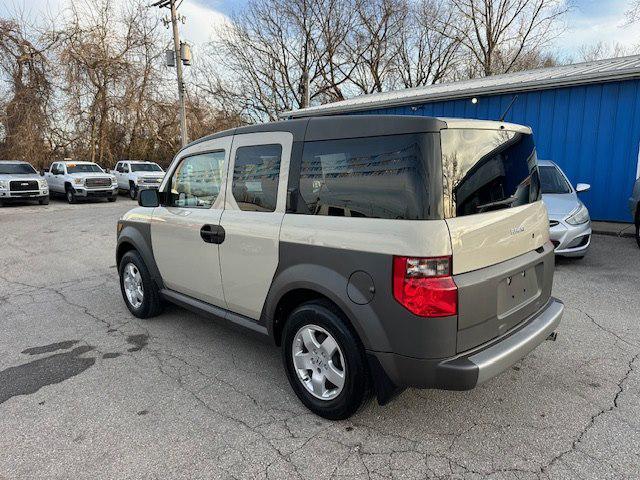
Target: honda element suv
378	252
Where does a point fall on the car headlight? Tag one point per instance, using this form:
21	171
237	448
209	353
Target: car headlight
581	215
42	183
114	181
77	181
3	184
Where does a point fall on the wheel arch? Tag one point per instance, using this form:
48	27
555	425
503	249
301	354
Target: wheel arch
137	236
301	283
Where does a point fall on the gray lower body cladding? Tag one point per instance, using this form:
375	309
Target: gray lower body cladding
465	371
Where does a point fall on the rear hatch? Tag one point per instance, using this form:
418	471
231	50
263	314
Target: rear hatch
502	260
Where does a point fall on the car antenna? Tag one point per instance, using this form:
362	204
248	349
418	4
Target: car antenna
515	97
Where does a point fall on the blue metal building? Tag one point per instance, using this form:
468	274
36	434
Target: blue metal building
585	117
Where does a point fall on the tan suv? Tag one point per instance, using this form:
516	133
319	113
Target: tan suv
378	252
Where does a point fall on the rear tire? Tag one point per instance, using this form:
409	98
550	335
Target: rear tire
147	302
326	320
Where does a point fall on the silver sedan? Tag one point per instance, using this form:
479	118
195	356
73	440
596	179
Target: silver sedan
569	222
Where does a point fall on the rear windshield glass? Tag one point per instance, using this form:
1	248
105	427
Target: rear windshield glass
552	181
16	169
485	170
83	168
145	167
375	177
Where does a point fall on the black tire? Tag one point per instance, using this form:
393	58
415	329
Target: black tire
133	192
152	302
112	198
357	384
44	201
71	197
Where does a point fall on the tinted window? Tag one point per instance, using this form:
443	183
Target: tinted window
145	167
486	170
375	177
255	177
16	169
197	181
83	168
552	181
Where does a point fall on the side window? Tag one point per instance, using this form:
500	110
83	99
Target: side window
125	168
197	180
375	177
118	167
255	177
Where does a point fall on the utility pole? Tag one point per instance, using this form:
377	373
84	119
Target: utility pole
171	4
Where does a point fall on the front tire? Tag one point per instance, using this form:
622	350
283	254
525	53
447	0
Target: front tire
113	198
133	192
71	197
139	291
324	361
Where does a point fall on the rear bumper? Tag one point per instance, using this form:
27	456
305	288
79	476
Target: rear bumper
465	371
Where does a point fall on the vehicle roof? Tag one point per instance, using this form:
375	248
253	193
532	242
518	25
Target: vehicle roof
336	127
78	162
14	161
484	124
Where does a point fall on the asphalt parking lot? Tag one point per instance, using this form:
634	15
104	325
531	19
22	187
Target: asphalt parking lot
89	391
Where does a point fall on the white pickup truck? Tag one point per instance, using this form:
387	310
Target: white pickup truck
134	176
81	180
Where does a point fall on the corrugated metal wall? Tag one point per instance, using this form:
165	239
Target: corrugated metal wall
592	132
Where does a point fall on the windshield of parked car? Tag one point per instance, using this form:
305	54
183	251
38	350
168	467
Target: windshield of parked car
145	167
83	168
16	169
552	181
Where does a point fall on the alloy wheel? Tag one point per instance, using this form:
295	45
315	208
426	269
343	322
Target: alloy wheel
319	362
133	288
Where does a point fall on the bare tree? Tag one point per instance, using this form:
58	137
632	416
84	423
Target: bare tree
499	33
25	116
602	50
425	54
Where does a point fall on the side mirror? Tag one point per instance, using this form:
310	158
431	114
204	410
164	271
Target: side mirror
583	187
149	198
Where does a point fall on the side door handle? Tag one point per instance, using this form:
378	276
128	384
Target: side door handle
212	234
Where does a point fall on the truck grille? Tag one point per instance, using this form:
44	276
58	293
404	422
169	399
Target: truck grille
151	180
97	182
23	185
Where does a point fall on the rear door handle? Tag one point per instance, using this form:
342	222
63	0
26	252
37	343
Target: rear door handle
212	234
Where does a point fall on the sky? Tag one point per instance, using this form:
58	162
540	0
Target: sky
588	22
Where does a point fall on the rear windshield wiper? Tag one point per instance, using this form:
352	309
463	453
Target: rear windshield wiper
507	202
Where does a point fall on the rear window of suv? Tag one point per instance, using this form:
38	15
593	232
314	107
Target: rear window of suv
486	170
375	177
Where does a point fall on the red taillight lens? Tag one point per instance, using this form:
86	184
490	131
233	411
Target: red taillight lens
424	286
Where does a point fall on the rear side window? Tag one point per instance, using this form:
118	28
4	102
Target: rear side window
374	177
485	170
255	177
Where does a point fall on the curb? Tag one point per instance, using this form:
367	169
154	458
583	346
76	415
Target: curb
621	234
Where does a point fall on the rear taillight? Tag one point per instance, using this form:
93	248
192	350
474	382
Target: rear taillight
424	286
